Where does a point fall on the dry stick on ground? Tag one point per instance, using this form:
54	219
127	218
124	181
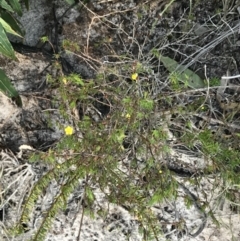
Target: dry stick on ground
88	60
215	121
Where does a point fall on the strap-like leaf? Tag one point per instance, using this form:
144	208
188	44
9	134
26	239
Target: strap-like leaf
5	46
16	6
7	88
186	76
8	28
5	5
26	4
13	22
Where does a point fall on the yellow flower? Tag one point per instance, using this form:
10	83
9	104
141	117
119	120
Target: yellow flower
68	130
128	116
160	171
64	81
134	76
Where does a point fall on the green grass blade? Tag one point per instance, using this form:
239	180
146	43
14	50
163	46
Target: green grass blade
8	28
7	88
13	22
5	5
5	46
16	6
26	2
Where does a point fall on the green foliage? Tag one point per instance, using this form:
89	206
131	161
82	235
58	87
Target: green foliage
44	39
8	24
76	79
214	82
8	89
5	46
225	160
16	7
210	146
6	6
135	128
185	76
70	46
98	156
8	28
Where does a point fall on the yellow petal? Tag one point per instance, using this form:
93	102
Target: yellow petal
128	116
68	130
64	81
134	76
